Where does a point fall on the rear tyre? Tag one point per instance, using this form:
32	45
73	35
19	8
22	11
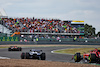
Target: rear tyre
23	56
43	56
9	49
92	58
77	57
27	55
20	49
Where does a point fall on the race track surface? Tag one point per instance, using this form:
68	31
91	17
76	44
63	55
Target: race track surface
49	56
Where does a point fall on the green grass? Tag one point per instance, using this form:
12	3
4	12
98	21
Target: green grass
3	47
75	50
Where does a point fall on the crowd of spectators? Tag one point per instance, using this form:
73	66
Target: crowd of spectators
38	25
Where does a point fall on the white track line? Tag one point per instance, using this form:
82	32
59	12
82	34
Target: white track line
4	58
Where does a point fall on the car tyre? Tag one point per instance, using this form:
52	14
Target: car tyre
27	55
9	49
23	56
92	58
43	56
20	49
77	57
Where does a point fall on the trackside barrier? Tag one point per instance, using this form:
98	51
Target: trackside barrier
9	38
49	40
70	40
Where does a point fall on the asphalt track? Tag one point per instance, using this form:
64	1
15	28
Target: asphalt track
49	56
4	53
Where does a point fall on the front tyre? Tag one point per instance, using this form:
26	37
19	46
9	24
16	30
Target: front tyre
77	57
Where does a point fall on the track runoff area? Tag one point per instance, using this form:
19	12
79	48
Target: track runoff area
50	50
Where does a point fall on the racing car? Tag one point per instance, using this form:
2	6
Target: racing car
34	54
14	48
92	57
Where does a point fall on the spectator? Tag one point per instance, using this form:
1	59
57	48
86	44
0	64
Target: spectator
38	25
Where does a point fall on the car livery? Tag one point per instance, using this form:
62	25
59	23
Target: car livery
92	57
34	54
14	48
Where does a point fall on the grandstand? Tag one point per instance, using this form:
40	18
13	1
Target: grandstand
33	26
49	30
41	26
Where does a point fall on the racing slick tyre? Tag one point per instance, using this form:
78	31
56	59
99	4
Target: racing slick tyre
43	56
77	57
9	49
27	55
23	56
92	58
20	49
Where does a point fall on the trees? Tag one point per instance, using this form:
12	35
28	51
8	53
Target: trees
89	30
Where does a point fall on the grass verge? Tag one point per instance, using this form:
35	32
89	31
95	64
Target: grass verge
48	45
75	50
3	47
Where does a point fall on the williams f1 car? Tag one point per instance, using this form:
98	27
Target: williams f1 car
92	57
14	48
34	54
